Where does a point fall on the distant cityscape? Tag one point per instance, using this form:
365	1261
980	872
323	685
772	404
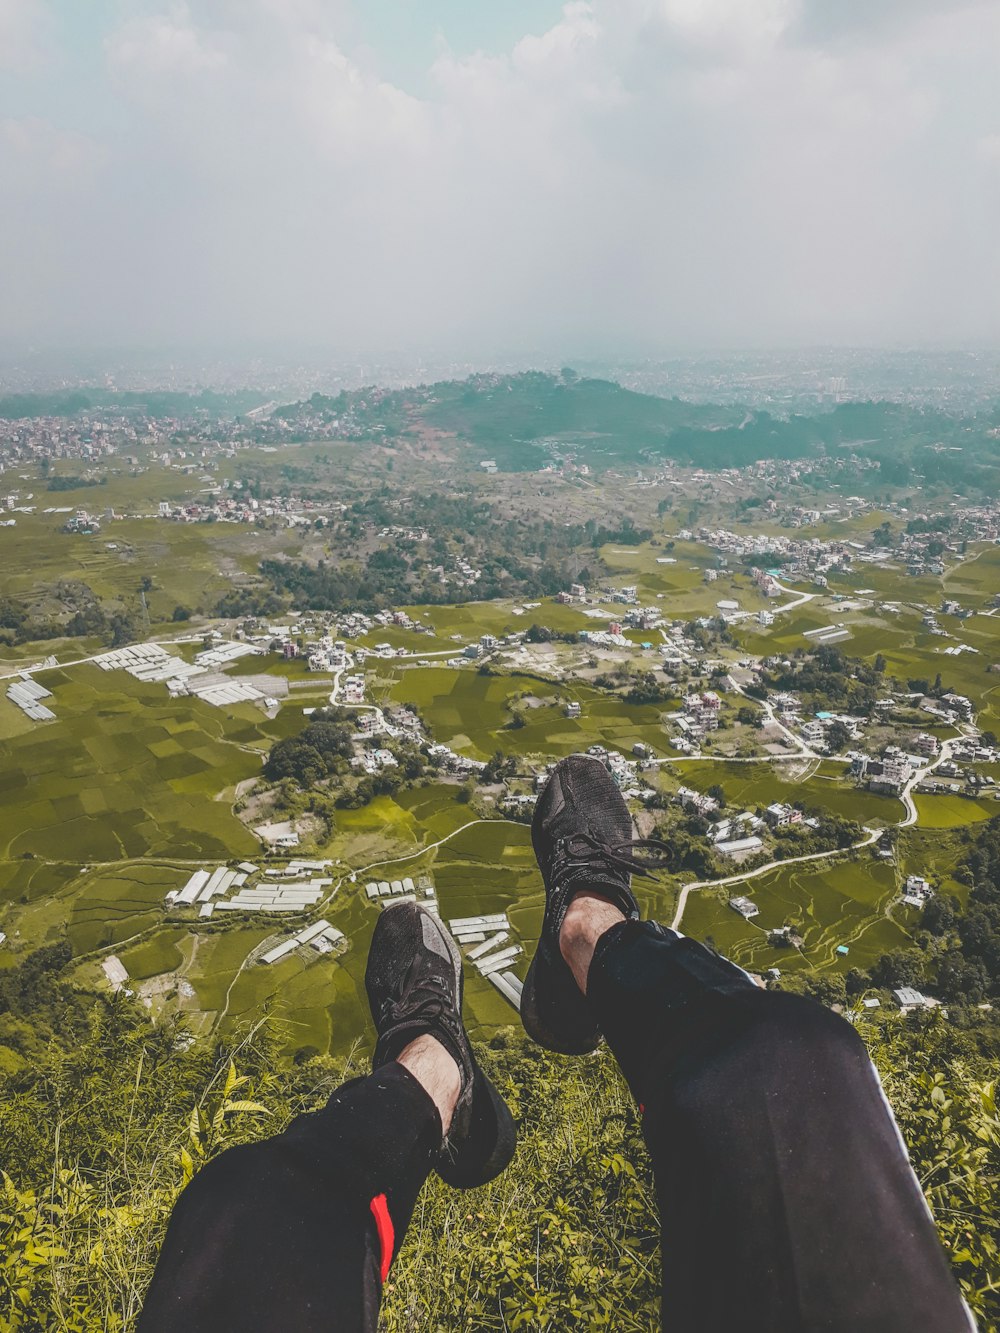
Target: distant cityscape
781	381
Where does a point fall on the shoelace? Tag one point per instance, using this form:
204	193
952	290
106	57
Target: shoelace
425	1003
617	855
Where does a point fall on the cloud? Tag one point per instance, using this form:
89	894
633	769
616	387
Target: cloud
24	34
872	21
35	154
644	172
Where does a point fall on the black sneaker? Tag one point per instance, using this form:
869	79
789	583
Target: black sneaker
414	983
583	837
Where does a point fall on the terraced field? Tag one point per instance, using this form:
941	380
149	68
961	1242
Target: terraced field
842	904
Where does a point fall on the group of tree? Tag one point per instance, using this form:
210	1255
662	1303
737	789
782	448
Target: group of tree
542	634
115	626
323	748
957	951
825	678
73	483
522	556
499	767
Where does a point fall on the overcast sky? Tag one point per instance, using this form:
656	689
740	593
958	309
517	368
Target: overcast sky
605	175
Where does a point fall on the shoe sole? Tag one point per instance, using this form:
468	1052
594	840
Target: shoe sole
536	1029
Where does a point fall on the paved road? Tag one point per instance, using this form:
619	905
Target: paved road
799	598
873	836
910	818
35	668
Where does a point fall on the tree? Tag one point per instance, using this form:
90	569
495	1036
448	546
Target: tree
181	613
837	736
901	967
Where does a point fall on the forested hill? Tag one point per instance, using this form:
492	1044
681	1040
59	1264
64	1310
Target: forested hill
521	421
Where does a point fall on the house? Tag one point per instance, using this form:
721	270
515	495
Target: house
746	908
814	733
572	709
739	847
779	814
909	999
888	775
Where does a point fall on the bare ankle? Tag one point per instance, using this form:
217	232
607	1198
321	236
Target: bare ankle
588	917
436	1072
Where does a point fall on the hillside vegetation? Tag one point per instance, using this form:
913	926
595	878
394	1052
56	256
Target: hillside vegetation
522	420
101	1135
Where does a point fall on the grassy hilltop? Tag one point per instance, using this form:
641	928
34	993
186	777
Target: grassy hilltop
102	1135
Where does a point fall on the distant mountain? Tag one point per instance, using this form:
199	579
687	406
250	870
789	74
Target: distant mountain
520	420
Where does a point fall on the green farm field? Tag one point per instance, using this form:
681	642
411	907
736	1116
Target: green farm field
113	804
846	903
747	786
470	712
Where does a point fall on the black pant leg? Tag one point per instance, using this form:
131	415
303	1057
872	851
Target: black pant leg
297	1232
787	1201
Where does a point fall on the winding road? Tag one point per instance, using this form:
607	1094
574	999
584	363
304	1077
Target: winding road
873	836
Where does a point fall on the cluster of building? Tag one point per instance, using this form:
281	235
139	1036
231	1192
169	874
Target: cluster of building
452	762
700	712
623	771
486	940
203	678
610	638
90	435
219	507
916	891
799	558
887	775
320	937
697	802
388	891
27	694
277	889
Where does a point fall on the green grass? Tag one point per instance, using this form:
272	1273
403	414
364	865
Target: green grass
844	903
91	786
761	784
471	712
939	811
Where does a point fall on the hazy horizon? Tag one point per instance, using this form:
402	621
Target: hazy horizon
637	177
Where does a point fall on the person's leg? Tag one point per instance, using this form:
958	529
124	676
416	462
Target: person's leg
787	1203
297	1232
786	1198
